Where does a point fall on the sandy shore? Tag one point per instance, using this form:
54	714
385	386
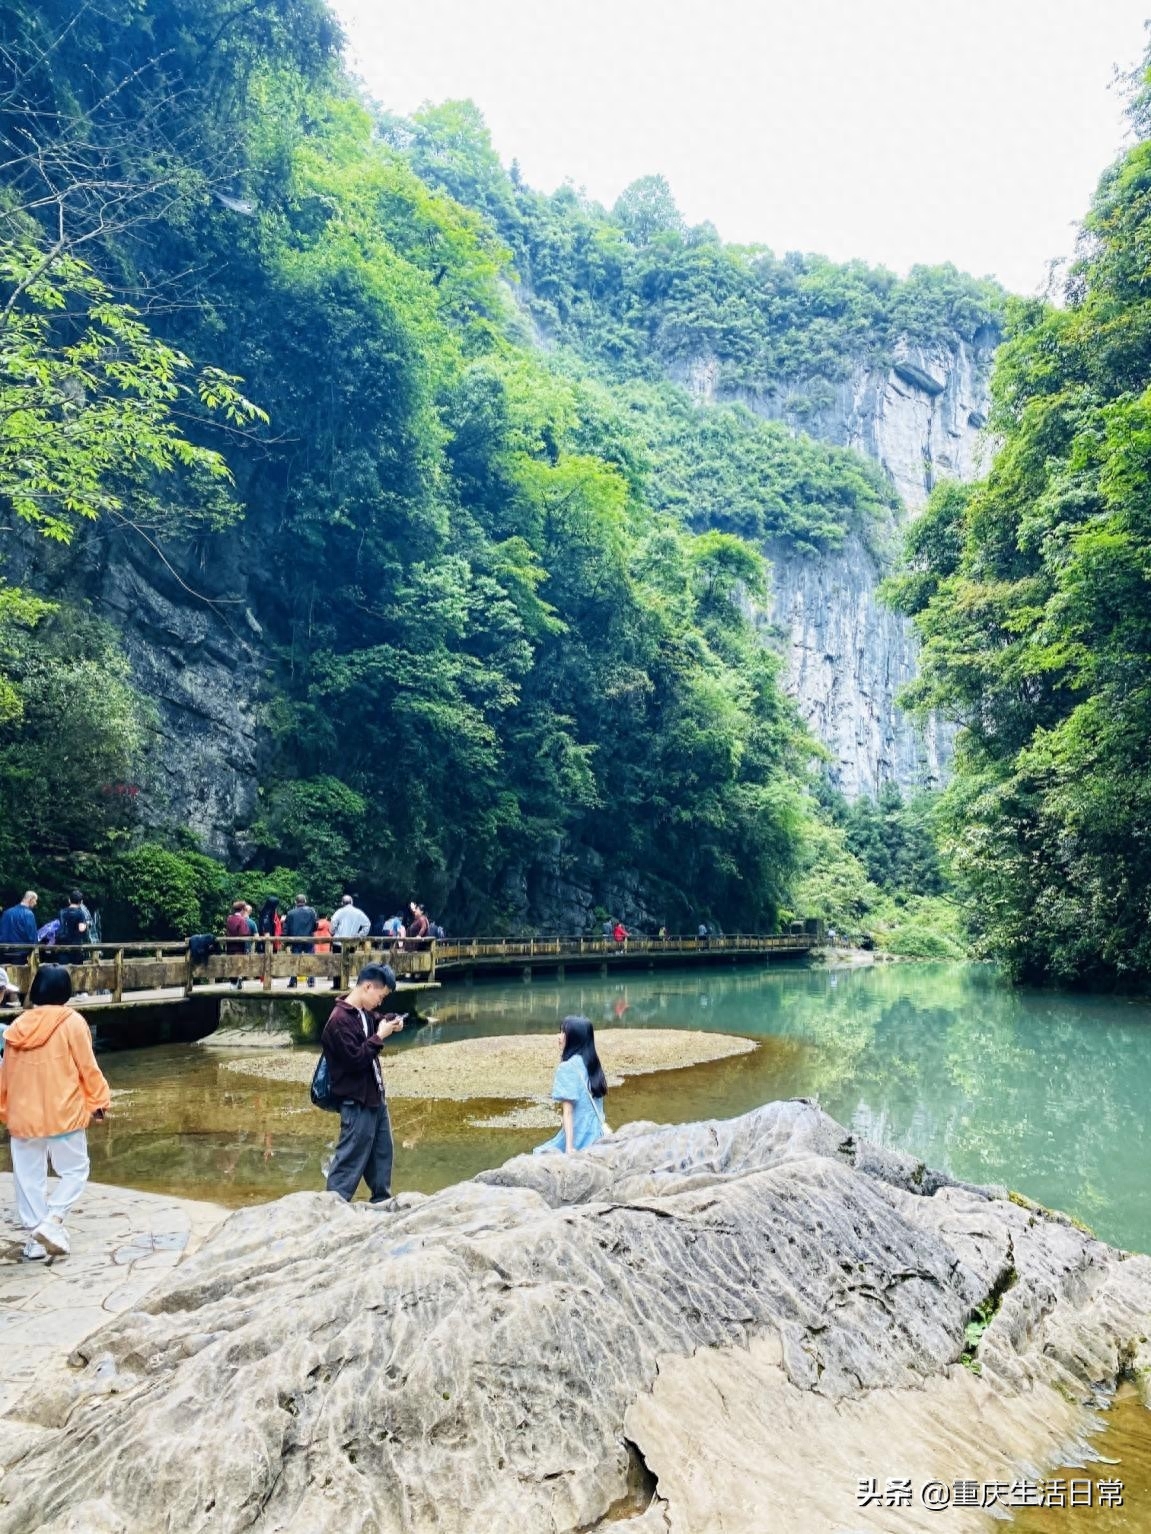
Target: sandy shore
514	1068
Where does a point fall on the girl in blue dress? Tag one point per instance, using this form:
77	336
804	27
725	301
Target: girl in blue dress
580	1087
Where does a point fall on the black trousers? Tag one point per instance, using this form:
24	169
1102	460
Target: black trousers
364	1149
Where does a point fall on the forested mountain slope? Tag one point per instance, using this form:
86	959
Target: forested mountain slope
850	355
383	549
1032	591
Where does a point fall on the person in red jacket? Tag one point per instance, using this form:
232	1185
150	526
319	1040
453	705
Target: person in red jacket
236	928
620	933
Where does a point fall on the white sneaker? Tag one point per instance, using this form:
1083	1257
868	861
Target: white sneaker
34	1252
52	1235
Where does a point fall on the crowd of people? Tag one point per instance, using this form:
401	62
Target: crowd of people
68	934
304	929
300	929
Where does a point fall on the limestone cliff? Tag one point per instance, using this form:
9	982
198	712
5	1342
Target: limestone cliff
921	417
688	1328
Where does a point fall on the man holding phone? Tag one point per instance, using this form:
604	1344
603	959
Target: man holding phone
352	1039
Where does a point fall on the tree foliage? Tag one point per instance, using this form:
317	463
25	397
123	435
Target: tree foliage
1032	591
635	289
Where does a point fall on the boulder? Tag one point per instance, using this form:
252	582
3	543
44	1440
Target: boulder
668	1332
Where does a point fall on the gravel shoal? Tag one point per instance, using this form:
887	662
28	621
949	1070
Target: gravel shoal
513	1067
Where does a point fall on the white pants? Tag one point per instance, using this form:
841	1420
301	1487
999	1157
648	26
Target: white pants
69	1157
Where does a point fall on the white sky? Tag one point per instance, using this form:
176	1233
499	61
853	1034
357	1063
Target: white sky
894	130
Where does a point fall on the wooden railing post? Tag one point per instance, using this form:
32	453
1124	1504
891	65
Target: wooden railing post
267	962
118	981
187	968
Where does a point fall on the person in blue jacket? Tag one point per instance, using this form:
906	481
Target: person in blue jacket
18	926
579	1086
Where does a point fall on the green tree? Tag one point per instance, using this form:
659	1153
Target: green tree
1032	592
647	208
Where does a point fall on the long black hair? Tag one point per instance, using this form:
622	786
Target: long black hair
266	921
579	1039
51	987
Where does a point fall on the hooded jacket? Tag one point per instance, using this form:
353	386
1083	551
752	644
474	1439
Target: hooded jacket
50	1083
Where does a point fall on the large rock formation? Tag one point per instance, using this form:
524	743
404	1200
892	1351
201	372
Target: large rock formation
715	1327
921	416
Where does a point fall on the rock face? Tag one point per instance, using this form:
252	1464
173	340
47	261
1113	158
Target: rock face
669	1332
919	415
847	658
192	643
921	418
195	659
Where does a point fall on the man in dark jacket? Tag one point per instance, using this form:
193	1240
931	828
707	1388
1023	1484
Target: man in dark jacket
352	1039
18	925
75	927
300	922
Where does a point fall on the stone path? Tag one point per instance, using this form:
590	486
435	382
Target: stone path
123	1241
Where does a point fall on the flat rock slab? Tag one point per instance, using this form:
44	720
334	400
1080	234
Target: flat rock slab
722	1326
519	1066
124	1243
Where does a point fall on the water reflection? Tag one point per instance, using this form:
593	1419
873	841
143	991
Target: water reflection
1044	1092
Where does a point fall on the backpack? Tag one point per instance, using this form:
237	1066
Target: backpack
71	919
48	932
321	1089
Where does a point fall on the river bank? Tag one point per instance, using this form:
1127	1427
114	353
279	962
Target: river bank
123	1243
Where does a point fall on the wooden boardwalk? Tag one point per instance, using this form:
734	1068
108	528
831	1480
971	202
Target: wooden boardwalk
160	972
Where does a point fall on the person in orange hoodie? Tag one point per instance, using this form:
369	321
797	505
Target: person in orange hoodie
50	1089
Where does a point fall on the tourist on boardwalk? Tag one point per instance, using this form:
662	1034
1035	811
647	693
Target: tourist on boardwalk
349	920
351	1045
580	1087
418	925
270	923
620	933
75	928
18	926
50	1089
323	935
608	927
300	922
236	929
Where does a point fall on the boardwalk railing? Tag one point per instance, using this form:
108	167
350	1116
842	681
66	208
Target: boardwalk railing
127	970
531	950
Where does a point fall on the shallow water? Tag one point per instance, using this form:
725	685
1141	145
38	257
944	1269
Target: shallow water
1124	1454
1045	1092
